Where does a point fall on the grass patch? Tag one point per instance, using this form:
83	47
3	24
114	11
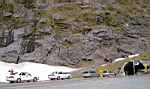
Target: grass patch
86	63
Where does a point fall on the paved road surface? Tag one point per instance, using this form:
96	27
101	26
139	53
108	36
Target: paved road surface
134	82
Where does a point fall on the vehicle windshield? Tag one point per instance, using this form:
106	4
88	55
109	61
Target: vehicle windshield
13	73
92	72
85	72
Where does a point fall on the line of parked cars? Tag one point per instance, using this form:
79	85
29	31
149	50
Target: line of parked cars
16	77
28	77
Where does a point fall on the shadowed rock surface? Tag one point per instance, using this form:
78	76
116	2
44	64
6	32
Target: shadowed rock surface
69	32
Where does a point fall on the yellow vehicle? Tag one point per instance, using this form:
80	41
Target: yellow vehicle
146	70
101	69
104	72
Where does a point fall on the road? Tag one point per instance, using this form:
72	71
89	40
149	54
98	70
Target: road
134	82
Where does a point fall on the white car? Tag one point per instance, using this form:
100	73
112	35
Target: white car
59	75
21	77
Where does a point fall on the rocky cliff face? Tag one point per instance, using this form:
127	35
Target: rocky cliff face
73	32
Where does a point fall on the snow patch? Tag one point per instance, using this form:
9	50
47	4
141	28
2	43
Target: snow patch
121	59
118	59
130	56
104	65
41	70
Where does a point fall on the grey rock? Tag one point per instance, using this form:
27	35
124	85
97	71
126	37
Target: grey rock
57	39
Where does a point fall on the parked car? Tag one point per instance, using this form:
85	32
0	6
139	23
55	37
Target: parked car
59	75
108	74
88	74
21	77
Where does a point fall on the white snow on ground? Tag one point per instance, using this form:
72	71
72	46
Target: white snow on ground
130	56
41	70
120	59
